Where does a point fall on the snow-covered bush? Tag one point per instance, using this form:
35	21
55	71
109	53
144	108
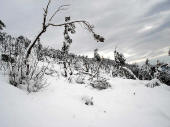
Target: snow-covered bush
153	83
87	100
52	72
100	83
80	79
134	68
164	77
121	69
128	73
35	80
123	72
30	78
117	72
22	74
146	71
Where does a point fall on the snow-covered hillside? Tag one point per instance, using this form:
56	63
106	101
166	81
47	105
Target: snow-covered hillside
128	103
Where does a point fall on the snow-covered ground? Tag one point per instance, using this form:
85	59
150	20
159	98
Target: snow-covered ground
129	103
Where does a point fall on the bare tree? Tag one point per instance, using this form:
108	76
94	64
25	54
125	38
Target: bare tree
47	23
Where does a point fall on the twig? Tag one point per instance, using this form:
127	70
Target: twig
60	8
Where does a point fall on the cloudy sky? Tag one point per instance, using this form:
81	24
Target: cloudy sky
138	28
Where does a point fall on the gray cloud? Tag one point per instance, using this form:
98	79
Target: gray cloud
163	5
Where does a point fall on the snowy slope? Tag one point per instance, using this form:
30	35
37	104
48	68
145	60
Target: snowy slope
127	104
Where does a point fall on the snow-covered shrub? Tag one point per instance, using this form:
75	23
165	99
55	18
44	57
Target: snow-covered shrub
29	78
123	72
35	80
87	100
134	68
80	79
128	73
12	52
153	83
117	72
7	58
100	83
52	70
17	71
146	72
164	77
121	68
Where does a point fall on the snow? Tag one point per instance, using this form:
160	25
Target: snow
128	103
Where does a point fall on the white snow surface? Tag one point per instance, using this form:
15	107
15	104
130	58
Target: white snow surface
128	103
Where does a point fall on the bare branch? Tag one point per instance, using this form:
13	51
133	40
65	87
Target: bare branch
48	6
45	13
85	23
60	8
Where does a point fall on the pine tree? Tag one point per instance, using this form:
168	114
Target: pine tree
147	62
146	72
119	58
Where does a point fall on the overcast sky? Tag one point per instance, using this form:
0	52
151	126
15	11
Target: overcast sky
138	28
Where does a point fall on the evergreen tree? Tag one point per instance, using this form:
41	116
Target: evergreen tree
147	62
119	58
146	71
